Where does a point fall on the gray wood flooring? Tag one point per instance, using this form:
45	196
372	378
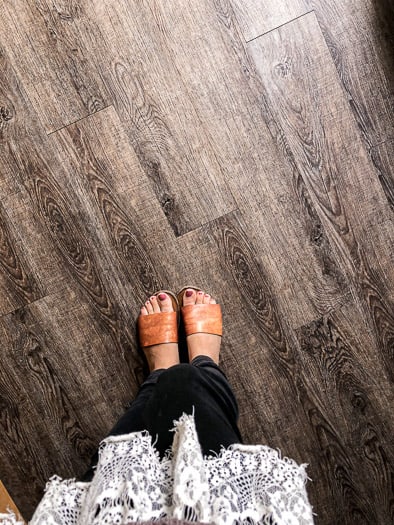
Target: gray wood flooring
244	146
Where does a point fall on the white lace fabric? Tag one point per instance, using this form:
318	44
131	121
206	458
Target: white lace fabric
244	484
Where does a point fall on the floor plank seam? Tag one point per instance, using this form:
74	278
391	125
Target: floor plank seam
389	139
208	223
278	27
26	305
79	120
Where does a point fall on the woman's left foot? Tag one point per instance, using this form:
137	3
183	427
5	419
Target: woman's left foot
160	355
201	343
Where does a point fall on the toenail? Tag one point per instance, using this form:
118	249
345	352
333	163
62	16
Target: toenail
207	295
199	293
153	297
189	293
162	296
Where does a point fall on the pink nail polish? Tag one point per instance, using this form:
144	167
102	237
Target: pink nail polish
189	293
152	298
199	293
162	296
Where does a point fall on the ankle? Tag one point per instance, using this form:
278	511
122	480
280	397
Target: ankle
162	356
205	345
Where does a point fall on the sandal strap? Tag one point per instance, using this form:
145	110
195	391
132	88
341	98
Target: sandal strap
154	330
202	318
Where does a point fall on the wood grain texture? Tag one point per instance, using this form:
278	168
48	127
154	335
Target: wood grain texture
257	340
382	156
257	17
51	46
264	184
246	169
45	206
159	118
337	353
106	166
18	284
62	390
360	39
333	162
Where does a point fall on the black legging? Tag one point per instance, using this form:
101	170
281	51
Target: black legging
168	393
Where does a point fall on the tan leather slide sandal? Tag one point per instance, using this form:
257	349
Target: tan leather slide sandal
200	318
155	329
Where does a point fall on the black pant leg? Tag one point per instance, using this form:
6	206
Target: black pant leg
223	397
132	420
200	388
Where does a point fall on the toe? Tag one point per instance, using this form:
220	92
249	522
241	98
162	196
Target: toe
144	311
165	303
149	307
212	301
155	304
189	297
200	297
207	298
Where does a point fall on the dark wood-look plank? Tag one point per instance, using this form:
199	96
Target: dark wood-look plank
29	266
266	185
52	48
338	355
159	117
45	207
63	386
111	187
137	196
256	334
257	17
262	358
50	221
360	37
19	284
382	157
333	162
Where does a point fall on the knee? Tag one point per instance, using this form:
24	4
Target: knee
179	375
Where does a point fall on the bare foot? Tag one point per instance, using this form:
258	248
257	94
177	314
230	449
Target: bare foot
201	344
166	354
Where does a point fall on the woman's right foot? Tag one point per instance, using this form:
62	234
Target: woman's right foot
160	355
201	343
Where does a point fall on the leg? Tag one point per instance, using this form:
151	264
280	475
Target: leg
222	402
201	388
132	420
159	357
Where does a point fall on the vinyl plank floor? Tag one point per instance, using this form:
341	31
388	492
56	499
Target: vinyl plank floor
54	376
266	186
359	36
19	284
382	156
159	118
52	47
331	158
146	146
337	354
257	17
